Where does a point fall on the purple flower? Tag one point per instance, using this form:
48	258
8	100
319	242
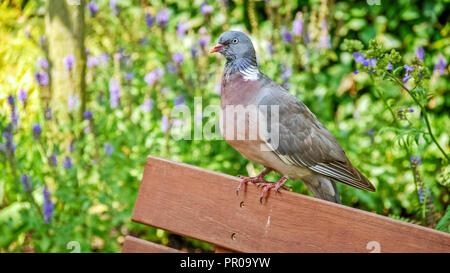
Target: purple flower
194	51
71	102
48	205
42	63
11	100
370	132
153	76
87	115
204	40
53	160
67	163
104	59
421	195
389	66
324	41
270	48
72	146
93	8
359	57
14	115
42	40
119	55
26	182
179	101
48	114
408	68
365	62
8	135
114	93
22	95
69	61
416	159
287	73
372	62
202	31
37	130
149	20
440	65
356	72
113	6
163	17
410	109
181	30
287	36
92	61
206	9
177	57
108	149
164	124
171	68
420	53
129	76
401	110
42	77
147	106
297	26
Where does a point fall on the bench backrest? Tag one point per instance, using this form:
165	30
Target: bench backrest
202	204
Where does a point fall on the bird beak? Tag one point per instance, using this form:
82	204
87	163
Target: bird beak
216	48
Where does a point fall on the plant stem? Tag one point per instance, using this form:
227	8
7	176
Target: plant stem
424	112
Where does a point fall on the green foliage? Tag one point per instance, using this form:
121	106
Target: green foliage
367	112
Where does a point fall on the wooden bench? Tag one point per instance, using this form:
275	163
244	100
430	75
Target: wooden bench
202	204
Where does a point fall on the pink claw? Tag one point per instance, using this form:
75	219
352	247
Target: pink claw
268	185
257	179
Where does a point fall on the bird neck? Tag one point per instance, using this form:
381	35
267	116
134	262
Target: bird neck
247	67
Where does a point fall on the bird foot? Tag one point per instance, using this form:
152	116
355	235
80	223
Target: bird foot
255	179
271	185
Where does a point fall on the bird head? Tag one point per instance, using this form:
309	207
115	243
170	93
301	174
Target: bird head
234	45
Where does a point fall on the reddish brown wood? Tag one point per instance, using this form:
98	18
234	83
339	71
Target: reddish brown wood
136	245
220	249
202	204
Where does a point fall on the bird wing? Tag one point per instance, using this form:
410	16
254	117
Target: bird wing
305	142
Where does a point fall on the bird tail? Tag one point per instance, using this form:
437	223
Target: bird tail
322	187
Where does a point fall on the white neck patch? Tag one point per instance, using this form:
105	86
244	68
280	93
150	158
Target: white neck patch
250	73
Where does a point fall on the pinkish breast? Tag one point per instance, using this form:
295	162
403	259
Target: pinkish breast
237	91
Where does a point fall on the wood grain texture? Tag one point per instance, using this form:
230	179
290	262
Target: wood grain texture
136	245
202	204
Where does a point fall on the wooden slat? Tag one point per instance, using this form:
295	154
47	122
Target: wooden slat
202	204
220	249
136	245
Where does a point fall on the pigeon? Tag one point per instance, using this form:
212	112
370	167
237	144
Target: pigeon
300	146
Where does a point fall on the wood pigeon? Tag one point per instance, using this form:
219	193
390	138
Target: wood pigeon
304	149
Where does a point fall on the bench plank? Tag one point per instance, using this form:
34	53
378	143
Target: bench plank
136	245
202	204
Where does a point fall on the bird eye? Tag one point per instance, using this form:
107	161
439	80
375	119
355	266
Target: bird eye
235	40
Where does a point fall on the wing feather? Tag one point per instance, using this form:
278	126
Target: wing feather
305	142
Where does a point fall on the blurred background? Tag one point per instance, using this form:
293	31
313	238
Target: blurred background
87	89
